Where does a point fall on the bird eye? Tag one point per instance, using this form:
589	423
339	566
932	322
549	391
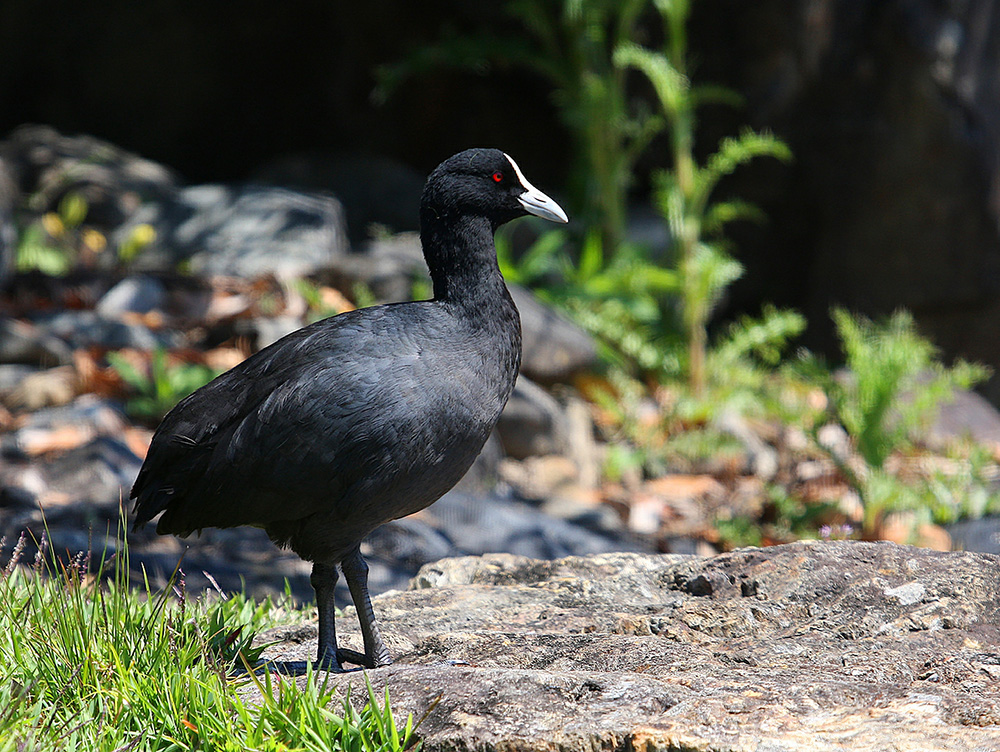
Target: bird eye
497	177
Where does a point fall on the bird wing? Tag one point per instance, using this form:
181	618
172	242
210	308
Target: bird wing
287	430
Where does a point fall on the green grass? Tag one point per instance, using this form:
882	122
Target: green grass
92	663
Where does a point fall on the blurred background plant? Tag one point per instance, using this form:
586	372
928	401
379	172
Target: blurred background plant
160	384
672	395
890	391
58	241
683	192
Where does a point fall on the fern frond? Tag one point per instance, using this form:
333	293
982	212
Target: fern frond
735	152
671	87
722	213
765	337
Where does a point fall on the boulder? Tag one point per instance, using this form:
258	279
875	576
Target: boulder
376	191
8	233
47	165
532	423
80	329
388	266
554	348
839	645
241	231
138	294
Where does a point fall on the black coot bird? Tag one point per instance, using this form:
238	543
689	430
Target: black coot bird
360	418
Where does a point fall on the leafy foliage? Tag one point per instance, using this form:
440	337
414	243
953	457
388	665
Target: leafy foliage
683	193
163	386
897	382
57	241
894	386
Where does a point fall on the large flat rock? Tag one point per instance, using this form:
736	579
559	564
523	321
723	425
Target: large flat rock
808	646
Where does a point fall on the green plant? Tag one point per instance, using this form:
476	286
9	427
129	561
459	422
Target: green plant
671	429
163	386
894	386
57	241
620	301
49	244
683	193
571	44
92	663
785	517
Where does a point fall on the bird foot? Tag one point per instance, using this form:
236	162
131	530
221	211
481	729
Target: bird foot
291	668
345	655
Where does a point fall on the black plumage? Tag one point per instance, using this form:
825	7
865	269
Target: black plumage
360	418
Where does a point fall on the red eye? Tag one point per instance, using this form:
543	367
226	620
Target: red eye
497	177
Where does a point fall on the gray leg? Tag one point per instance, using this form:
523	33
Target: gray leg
376	653
324	580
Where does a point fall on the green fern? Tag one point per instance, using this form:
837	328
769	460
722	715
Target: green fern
893	388
683	194
896	382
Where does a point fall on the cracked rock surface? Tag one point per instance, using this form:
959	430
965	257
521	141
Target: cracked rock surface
806	646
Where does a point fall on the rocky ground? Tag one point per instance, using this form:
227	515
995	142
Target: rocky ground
846	645
806	646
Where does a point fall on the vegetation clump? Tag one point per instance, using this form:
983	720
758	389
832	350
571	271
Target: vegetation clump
95	661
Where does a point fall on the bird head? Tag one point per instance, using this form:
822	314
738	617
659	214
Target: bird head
488	183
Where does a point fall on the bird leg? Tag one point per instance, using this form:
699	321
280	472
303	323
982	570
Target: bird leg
324	580
376	653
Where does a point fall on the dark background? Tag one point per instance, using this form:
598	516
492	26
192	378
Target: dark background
891	107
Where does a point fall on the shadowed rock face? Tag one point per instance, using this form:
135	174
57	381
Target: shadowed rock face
840	645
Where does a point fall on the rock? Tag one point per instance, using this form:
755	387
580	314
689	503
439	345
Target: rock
982	535
834	439
582	447
967	415
114	182
554	348
532	423
461	524
9	196
64	427
37	389
761	457
80	329
675	505
375	190
241	231
97	474
11	376
806	646
22	342
538	478
138	294
388	266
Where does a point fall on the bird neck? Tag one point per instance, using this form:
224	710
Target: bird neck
462	259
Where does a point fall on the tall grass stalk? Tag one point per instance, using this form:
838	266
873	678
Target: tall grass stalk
93	661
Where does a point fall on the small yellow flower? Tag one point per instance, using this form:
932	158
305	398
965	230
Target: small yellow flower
144	234
94	240
53	225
